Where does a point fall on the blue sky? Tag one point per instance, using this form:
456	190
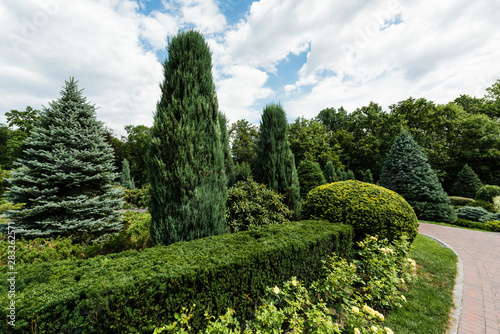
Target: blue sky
306	54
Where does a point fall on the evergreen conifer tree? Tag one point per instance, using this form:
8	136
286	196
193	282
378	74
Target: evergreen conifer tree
186	158
330	174
368	176
228	158
467	184
275	163
310	176
66	174
408	172
125	180
350	175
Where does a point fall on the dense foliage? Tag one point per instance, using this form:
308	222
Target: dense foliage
337	303
65	175
407	172
310	176
125	180
467	184
251	205
370	209
186	164
487	193
275	163
135	291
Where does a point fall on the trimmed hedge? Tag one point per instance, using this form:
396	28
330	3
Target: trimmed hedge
370	209
460	201
135	291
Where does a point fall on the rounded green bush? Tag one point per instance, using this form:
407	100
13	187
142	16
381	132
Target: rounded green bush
487	193
251	205
370	209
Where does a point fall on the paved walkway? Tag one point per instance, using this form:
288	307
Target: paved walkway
480	254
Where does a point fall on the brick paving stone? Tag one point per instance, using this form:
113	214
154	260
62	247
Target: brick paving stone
480	254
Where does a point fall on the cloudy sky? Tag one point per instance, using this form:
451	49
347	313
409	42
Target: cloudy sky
306	54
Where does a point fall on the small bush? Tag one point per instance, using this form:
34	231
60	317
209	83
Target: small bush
137	198
475	214
487	193
460	201
370	209
482	204
496	204
493	226
251	205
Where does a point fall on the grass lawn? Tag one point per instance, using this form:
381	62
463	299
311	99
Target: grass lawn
430	294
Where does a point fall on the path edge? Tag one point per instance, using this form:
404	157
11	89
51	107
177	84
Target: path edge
457	290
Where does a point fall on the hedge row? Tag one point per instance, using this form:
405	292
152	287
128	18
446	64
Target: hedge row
135	291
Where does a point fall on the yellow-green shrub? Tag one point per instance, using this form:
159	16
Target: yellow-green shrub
370	209
493	226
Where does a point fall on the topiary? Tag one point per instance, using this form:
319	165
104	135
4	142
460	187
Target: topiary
475	214
251	205
370	209
487	193
483	204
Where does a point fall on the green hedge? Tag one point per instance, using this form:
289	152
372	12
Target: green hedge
133	291
370	209
460	201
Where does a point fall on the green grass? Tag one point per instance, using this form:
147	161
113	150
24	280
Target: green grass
430	294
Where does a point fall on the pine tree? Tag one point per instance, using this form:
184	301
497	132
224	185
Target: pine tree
408	172
186	158
125	179
350	175
310	176
467	184
330	174
275	163
66	174
228	158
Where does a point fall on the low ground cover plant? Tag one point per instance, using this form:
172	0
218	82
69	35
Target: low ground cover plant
351	297
135	235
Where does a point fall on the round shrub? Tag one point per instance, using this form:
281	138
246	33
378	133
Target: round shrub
251	205
487	193
370	209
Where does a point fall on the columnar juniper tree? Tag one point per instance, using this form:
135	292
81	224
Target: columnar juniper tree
125	179
330	174
408	172
228	158
65	174
186	158
467	184
275	163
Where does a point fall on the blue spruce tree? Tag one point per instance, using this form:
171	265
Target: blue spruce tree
66	174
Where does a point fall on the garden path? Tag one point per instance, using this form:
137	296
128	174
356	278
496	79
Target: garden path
480	257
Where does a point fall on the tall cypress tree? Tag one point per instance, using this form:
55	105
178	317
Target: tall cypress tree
467	183
408	172
186	158
275	163
66	173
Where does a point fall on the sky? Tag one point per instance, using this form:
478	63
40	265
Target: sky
307	55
